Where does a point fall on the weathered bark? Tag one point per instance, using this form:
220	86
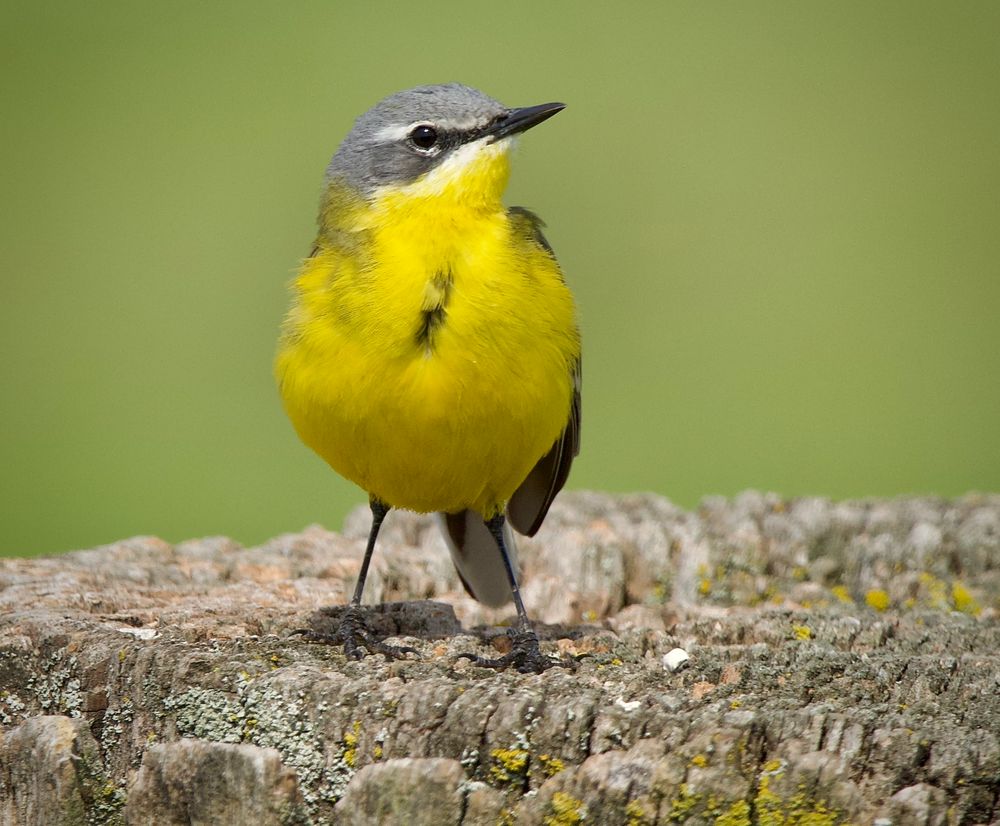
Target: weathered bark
843	667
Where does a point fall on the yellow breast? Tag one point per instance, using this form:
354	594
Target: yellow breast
428	353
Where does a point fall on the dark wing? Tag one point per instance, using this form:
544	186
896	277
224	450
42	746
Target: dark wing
527	507
530	502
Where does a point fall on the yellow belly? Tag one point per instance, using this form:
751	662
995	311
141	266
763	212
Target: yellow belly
455	420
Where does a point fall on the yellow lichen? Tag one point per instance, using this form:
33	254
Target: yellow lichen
682	805
802	632
937	591
964	601
351	745
738	814
566	810
510	765
636	814
705	587
798	810
551	766
770	809
842	594
699	760
877	598
768	804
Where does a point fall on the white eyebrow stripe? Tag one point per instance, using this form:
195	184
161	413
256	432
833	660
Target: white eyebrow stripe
458	125
392	133
396	132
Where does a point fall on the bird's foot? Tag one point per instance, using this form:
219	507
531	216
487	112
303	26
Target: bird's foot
353	634
524	655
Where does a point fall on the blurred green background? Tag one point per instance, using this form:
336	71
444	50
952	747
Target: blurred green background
781	220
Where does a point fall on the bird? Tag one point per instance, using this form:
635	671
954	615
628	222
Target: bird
431	353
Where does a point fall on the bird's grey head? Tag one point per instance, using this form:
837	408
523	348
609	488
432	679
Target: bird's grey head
407	134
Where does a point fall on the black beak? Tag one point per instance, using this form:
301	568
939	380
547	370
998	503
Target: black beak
518	120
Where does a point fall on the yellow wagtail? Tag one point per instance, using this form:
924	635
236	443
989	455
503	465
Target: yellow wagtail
431	354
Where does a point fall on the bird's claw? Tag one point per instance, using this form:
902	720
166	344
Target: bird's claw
525	655
353	635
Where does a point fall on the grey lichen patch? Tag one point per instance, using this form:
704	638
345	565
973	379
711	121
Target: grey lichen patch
105	797
116	724
264	716
55	686
208	714
864	708
12	708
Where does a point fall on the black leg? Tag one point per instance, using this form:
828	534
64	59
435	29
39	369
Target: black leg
379	511
352	632
524	655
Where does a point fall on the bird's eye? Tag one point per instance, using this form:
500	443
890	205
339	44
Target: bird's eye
424	136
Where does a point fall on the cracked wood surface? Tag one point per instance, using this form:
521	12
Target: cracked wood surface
844	668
